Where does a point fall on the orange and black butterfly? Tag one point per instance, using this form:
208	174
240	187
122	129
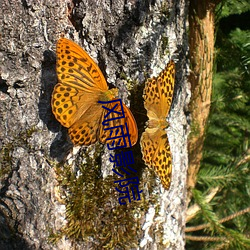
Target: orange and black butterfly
75	99
158	93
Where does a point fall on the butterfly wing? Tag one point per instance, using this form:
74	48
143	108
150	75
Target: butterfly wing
128	120
89	128
75	68
158	93
131	124
80	83
156	153
69	104
85	130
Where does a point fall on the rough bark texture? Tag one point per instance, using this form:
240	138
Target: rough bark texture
123	36
201	40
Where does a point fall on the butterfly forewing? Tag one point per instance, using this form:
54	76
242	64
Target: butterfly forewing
166	87
158	92
76	69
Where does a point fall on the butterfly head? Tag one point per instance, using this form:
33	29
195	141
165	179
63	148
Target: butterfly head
109	95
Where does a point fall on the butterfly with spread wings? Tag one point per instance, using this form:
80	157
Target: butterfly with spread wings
157	94
77	95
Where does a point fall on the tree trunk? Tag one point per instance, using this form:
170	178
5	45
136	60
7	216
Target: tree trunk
44	203
201	40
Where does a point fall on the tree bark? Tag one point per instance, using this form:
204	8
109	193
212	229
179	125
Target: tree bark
131	38
201	41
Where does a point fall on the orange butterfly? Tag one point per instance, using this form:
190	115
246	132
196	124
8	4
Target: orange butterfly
75	100
157	94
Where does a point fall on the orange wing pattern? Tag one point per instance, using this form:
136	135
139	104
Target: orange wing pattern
81	85
129	120
158	93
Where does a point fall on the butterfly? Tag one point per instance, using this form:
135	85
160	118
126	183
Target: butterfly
77	95
157	95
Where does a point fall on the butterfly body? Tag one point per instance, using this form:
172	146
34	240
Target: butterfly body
108	95
75	99
154	143
157	123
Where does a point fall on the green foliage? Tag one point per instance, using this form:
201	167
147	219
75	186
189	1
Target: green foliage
207	211
218	176
226	153
230	7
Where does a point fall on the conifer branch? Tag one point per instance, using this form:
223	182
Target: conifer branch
245	159
230	217
194	209
205	238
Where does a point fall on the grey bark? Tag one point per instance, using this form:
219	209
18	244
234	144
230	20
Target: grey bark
123	36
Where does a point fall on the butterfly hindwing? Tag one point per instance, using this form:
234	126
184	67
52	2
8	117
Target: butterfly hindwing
120	123
156	154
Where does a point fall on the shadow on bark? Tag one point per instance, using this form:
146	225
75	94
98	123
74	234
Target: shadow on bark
61	145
